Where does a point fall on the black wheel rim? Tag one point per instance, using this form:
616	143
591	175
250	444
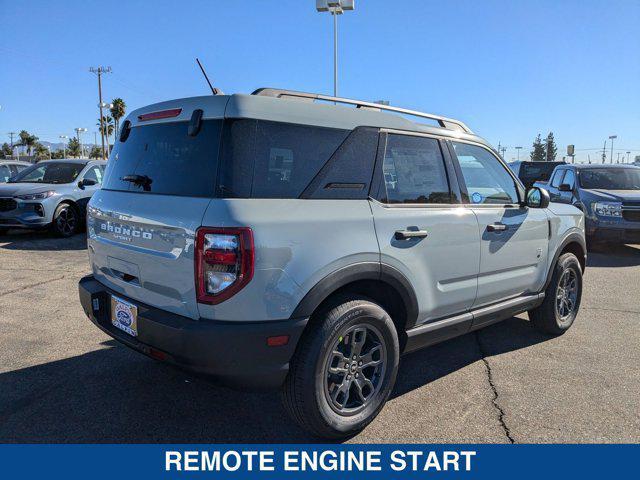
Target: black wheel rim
66	221
566	294
354	369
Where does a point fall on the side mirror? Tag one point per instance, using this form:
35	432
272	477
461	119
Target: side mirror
537	198
565	187
87	182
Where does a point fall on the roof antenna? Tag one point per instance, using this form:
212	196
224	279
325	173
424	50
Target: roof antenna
214	90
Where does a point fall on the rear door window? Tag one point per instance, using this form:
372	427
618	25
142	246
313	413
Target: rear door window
169	161
414	171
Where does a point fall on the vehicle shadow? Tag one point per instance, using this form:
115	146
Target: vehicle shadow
31	240
117	395
614	256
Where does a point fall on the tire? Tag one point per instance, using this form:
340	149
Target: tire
66	221
324	373
556	315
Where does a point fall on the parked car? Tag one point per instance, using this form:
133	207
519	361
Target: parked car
10	168
609	196
50	194
271	241
531	172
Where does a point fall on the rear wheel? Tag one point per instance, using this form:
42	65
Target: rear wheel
65	220
562	298
344	369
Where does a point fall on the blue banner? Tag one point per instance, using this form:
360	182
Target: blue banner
318	461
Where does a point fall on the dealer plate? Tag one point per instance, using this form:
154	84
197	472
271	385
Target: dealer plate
124	315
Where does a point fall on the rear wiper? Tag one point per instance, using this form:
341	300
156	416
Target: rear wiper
139	181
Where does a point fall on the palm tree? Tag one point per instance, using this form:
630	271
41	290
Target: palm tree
27	140
108	126
41	152
117	111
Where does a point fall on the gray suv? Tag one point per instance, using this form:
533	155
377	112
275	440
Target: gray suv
50	194
303	242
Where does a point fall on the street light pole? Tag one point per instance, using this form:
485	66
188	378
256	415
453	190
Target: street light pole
335	7
80	130
64	145
612	138
628	153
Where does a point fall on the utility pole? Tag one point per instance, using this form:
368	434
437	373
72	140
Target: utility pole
604	155
628	153
518	149
99	71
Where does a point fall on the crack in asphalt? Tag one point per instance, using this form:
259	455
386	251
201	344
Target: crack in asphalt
494	400
25	287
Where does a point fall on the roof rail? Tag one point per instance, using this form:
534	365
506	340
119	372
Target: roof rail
444	122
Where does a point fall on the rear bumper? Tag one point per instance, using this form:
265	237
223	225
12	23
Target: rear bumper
234	353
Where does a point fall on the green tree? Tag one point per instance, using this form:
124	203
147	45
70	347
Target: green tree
117	111
73	148
107	127
96	152
538	153
550	147
57	154
27	141
41	152
6	151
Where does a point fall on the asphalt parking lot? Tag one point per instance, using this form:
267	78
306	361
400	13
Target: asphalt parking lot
62	380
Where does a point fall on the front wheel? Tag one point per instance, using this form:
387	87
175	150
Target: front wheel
562	298
65	220
344	369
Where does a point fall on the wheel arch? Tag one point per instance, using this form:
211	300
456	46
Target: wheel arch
381	283
572	243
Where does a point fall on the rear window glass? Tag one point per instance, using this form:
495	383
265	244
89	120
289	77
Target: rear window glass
539	171
170	161
265	159
50	172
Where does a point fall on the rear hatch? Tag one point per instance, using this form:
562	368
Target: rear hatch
159	181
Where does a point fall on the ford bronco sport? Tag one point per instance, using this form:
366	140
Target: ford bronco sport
298	241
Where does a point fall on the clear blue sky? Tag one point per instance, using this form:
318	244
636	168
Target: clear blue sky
510	69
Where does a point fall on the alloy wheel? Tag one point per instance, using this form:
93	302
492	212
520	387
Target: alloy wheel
566	294
354	369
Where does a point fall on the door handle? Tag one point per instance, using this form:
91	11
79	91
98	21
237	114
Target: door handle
407	234
496	227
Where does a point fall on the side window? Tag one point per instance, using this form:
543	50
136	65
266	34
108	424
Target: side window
570	179
557	178
95	173
5	173
414	171
487	180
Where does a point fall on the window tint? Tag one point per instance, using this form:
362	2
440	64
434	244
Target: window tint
94	173
5	173
486	179
414	171
569	178
51	172
347	175
611	178
168	160
557	178
273	160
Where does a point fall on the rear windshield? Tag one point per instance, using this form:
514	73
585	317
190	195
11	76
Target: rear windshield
50	172
259	159
169	160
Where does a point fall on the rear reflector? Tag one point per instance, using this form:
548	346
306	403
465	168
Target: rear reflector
174	112
277	341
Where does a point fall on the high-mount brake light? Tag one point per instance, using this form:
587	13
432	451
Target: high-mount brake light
224	262
174	112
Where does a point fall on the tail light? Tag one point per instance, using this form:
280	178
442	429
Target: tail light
224	262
